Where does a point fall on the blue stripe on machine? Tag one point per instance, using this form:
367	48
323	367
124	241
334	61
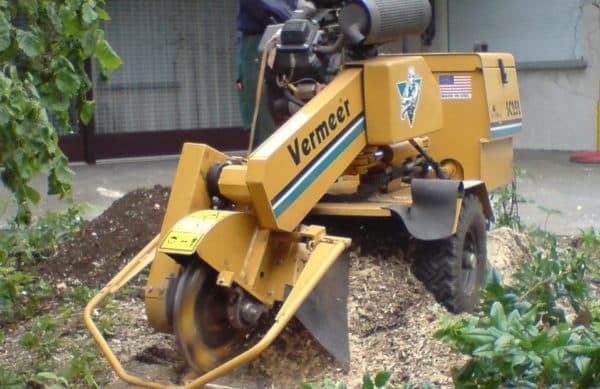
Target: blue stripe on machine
322	163
506	129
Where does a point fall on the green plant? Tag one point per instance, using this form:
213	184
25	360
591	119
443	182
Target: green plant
26	244
48	380
21	246
10	378
505	203
380	381
20	295
81	294
43	338
549	212
84	364
590	240
521	337
590	243
554	272
513	349
44	47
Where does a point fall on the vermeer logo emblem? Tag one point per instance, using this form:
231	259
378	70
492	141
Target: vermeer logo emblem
410	90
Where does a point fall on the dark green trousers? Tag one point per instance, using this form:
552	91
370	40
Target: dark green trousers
248	68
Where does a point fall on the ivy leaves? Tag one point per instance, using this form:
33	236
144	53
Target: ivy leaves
44	46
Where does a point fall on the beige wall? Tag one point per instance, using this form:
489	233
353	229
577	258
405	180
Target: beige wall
560	105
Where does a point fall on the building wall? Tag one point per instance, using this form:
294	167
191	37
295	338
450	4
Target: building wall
559	106
179	73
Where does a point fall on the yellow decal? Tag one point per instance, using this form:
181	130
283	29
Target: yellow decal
181	241
187	232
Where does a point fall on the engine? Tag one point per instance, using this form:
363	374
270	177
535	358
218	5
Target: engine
311	46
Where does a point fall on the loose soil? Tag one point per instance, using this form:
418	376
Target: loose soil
392	317
107	243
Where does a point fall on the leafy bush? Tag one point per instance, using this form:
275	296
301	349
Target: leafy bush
44	46
521	336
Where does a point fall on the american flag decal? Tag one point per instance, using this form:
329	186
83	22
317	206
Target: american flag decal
455	87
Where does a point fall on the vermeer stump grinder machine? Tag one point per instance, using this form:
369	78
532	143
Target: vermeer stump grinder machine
416	139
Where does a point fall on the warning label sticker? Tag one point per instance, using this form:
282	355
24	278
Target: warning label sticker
181	241
188	232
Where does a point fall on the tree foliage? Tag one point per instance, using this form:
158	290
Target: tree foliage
44	46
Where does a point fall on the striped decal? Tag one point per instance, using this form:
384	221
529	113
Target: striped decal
456	86
309	174
499	130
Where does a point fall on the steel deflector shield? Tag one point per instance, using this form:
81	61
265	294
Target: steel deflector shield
435	208
325	311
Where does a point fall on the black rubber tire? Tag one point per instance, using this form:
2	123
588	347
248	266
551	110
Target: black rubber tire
454	269
201	328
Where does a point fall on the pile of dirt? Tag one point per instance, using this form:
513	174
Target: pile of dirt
105	244
392	317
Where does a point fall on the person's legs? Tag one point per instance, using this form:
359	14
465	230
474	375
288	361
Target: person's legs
249	67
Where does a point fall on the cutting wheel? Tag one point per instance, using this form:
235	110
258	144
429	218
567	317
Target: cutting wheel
200	322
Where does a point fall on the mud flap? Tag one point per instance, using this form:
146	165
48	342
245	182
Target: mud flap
434	210
324	313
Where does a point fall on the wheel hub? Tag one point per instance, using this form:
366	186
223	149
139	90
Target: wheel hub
243	311
201	322
469	264
469	260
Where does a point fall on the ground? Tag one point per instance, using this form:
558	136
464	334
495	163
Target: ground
109	241
391	315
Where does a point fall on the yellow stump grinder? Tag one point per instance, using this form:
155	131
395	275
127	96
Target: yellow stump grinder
416	139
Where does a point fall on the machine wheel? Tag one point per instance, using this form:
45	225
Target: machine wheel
202	328
454	269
